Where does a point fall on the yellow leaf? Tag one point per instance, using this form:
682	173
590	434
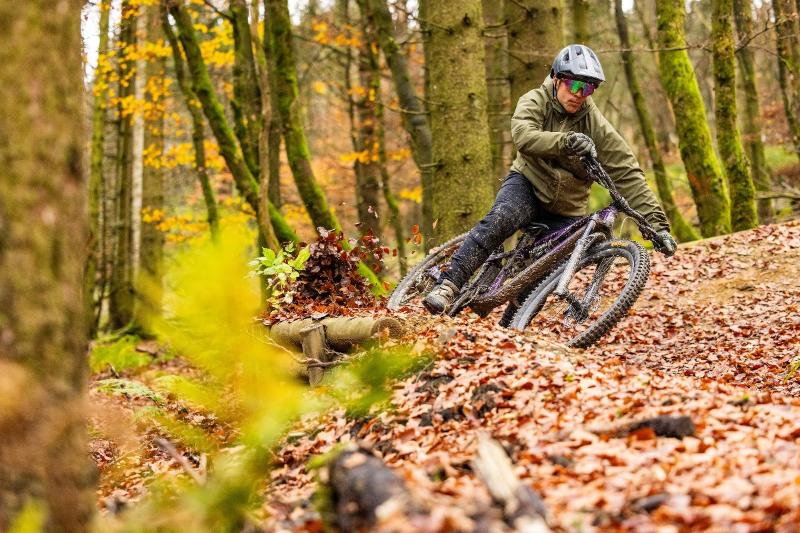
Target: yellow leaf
320	88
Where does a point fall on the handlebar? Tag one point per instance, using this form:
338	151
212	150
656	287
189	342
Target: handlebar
597	173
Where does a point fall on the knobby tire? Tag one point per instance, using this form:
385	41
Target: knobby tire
438	256
639	263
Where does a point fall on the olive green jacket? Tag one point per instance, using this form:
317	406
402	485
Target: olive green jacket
539	130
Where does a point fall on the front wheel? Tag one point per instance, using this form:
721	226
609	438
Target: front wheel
605	286
418	282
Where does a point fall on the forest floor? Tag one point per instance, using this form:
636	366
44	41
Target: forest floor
713	337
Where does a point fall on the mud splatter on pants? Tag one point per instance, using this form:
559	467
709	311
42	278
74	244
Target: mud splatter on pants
515	206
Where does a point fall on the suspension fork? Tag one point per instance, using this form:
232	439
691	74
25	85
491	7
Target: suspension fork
572	263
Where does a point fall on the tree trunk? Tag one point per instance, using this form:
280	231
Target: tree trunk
363	124
499	107
121	297
198	135
415	120
93	252
702	166
294	136
246	103
762	176
461	184
269	141
786	30
534	38
580	21
743	194
137	151
229	149
151	252
268	158
680	228
44	466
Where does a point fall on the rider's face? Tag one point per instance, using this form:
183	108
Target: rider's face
571	102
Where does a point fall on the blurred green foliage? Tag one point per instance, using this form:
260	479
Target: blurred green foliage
31	519
130	388
779	156
120	354
246	384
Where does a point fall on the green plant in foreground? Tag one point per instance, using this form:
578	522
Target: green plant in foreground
246	384
279	271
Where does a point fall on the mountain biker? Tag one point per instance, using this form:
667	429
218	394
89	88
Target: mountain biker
552	127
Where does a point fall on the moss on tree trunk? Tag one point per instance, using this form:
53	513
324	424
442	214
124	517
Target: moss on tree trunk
787	28
415	120
294	136
151	252
215	114
198	134
121	297
534	38
461	186
580	21
743	204
43	441
762	176
246	102
701	163
97	155
680	228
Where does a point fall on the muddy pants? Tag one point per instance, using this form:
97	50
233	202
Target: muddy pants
514	207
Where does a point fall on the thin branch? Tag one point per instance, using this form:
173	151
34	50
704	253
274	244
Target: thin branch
788	195
218	11
170	450
405	111
744	42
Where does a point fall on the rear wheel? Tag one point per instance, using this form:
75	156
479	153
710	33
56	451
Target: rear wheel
606	285
423	277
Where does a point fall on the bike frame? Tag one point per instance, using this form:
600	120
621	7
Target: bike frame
572	241
568	243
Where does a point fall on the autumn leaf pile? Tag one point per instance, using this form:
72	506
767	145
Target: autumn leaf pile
713	337
330	283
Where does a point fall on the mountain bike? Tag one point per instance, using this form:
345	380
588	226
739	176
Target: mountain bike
568	276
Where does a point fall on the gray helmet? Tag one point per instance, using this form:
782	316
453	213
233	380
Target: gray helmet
579	62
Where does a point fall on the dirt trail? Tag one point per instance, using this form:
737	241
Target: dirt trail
726	308
712	338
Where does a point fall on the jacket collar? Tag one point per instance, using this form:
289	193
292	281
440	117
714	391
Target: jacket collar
549	85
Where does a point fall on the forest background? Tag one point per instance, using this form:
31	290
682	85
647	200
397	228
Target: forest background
354	116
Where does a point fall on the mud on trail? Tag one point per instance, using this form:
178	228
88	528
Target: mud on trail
712	337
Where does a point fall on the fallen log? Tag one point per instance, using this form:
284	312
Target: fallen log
672	426
324	341
341	333
357	492
523	509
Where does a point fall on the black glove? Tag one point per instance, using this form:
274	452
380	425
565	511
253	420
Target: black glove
580	144
664	243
